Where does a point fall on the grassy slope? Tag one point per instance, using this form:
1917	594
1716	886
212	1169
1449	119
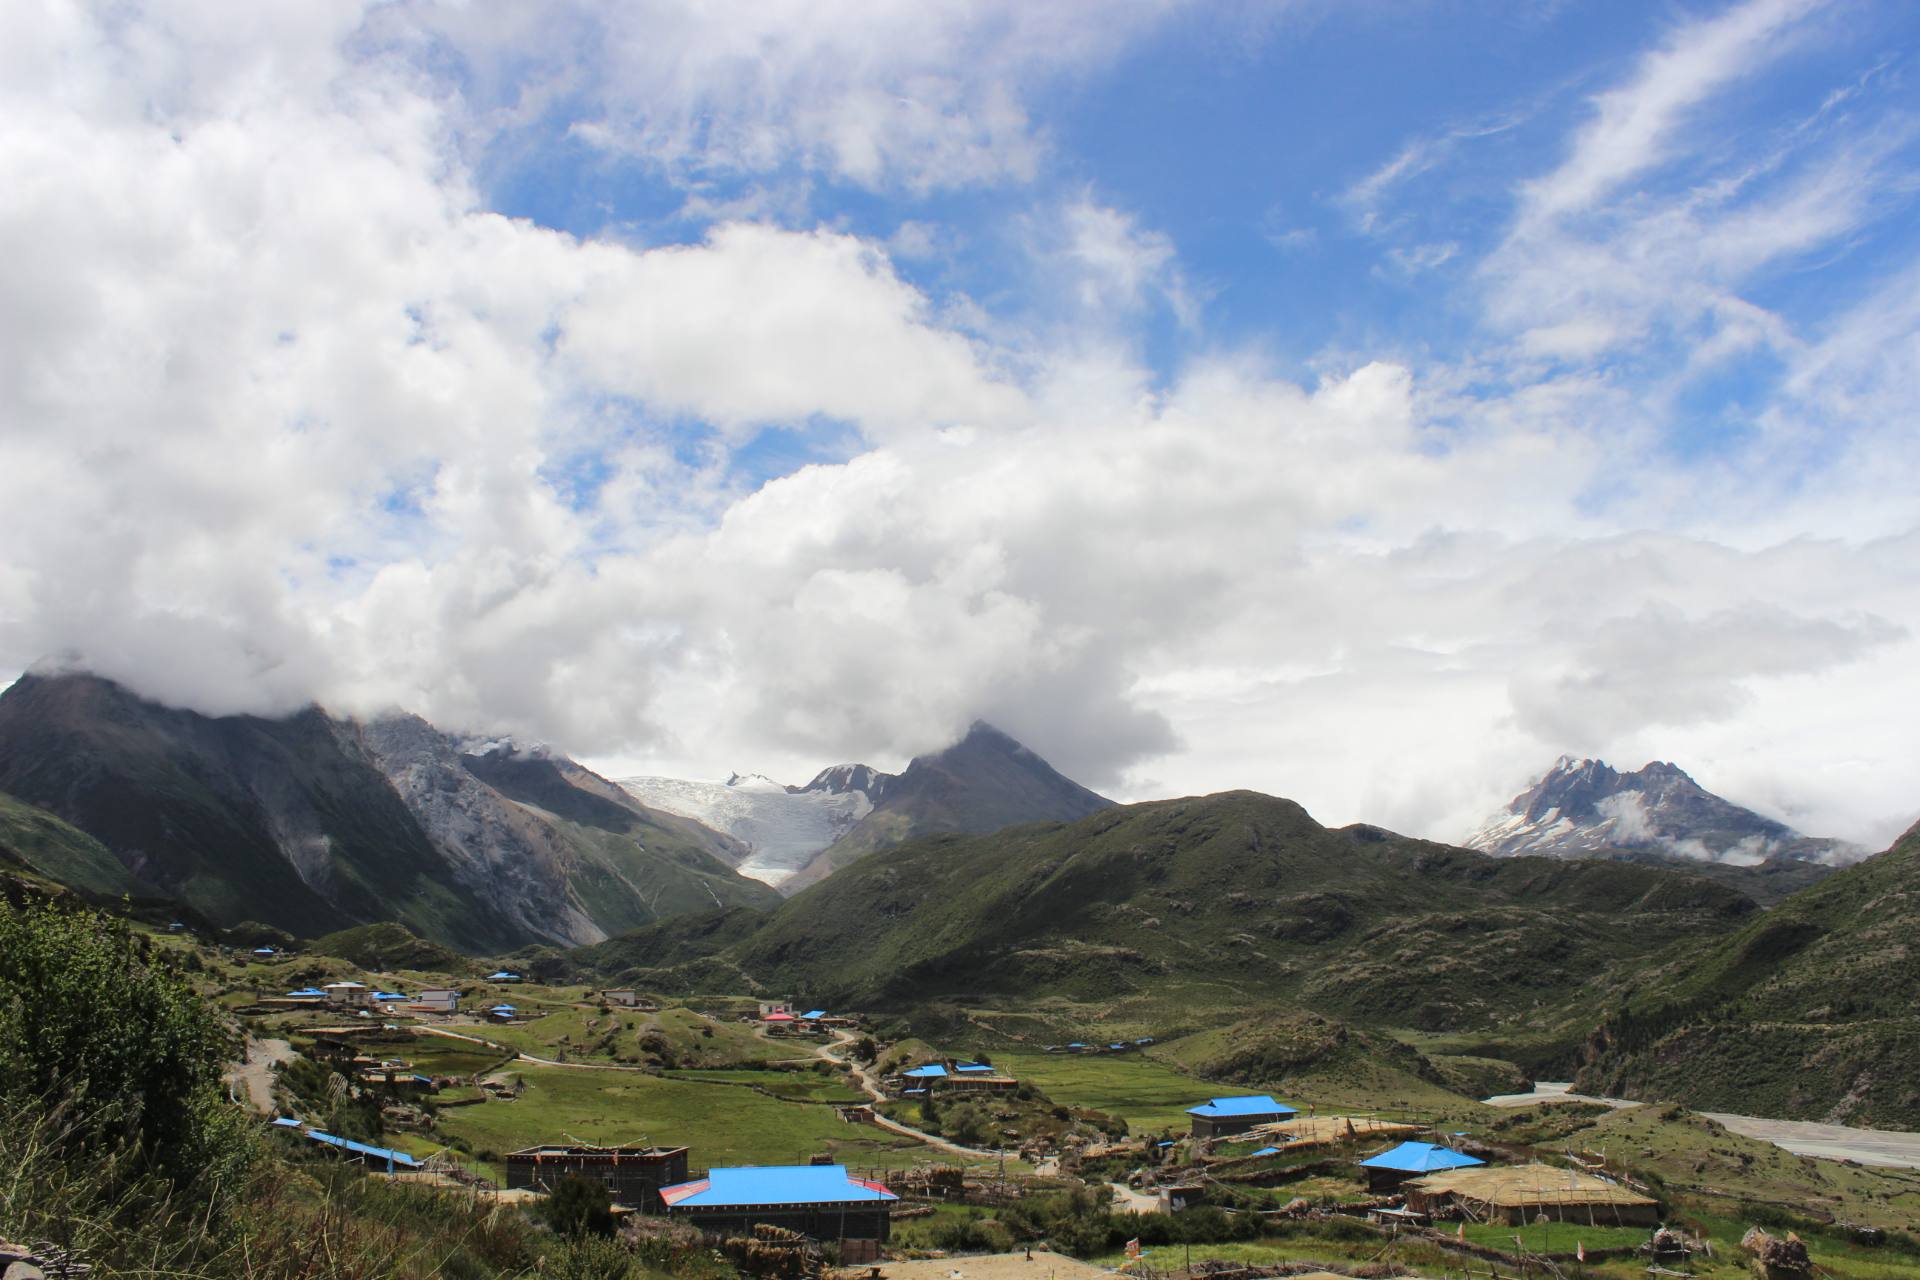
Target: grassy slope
61	851
1197	908
1805	1013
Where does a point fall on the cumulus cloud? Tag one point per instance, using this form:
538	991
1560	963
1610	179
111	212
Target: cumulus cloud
290	412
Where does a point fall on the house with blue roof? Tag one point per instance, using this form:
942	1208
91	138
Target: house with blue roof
1220	1117
1387	1170
823	1201
503	975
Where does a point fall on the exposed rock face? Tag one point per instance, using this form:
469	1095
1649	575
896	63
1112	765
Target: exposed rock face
313	824
984	782
1582	808
495	849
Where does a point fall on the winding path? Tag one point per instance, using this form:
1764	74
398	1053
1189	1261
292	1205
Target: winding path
843	1039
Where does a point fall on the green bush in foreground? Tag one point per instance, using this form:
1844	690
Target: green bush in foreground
97	1028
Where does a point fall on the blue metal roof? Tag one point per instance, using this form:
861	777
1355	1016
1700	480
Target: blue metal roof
780	1184
974	1068
360	1148
1419	1157
502	1008
932	1071
1267	1151
1259	1105
307	991
286	1122
503	975
814	1013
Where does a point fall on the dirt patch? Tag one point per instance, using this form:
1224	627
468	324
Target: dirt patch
993	1266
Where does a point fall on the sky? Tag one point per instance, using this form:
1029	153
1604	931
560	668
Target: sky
1360	402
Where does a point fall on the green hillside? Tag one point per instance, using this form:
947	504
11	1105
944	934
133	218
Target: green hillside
1194	913
61	851
1807	1012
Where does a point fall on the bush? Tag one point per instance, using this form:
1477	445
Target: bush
93	1021
576	1207
588	1258
972	1235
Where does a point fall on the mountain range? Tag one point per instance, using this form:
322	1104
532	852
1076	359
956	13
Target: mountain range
1584	808
311	823
1611	927
798	835
1658	815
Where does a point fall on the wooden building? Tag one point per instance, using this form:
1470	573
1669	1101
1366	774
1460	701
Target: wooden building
821	1201
631	1175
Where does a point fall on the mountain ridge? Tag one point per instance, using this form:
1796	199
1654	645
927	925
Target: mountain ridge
314	824
987	781
1585	808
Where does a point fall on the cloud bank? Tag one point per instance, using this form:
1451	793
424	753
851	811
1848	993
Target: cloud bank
292	411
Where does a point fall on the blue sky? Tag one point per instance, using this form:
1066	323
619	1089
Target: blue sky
1365	403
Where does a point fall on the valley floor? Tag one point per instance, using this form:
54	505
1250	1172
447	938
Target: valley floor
1883	1147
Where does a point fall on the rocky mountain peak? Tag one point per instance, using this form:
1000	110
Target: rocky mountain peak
839	779
1584	807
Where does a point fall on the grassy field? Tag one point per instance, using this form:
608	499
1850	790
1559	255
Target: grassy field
569	1033
797	1086
1554	1237
724	1125
1148	1095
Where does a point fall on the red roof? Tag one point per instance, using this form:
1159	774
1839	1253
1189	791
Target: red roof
778	1017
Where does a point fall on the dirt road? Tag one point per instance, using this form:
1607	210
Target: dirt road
254	1077
871	1087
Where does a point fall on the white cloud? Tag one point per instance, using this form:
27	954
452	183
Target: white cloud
1632	126
887	93
290	412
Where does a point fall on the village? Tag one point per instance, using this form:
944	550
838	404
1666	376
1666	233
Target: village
797	1139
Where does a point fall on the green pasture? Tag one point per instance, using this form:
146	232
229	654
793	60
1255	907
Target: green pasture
723	1124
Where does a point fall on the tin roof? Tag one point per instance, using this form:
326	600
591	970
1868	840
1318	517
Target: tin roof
1257	1105
779	1184
1420	1157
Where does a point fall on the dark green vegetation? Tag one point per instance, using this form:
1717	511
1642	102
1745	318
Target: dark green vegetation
982	783
126	1060
312	824
1203	906
34	838
1808	1011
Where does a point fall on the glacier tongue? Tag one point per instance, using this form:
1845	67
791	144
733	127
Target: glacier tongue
782	829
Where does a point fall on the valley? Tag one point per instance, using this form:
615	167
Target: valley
501	951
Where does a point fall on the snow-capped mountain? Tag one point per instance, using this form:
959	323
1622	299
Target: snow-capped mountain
783	827
1584	808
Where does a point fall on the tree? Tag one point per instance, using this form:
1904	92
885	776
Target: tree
93	1019
577	1207
865	1050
